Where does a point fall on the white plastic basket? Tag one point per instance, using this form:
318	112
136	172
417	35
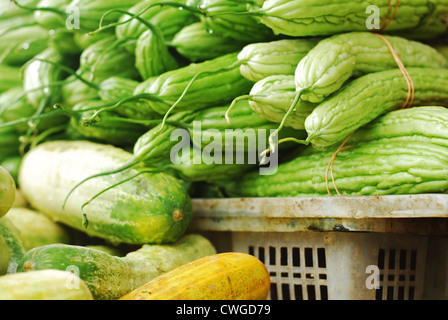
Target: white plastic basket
337	248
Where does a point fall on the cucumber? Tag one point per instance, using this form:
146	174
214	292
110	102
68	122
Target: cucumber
7	191
4	256
43	285
150	208
36	229
16	247
110	277
223	276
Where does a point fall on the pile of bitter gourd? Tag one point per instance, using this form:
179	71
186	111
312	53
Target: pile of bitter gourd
351	109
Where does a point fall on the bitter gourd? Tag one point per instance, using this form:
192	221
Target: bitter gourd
370	96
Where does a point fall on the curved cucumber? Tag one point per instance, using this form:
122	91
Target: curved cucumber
36	229
109	276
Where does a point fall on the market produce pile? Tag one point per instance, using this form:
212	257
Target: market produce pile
114	115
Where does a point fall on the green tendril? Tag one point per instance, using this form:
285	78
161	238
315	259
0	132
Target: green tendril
272	144
232	105
85	221
114	105
70	71
167	114
137	15
49	9
126	166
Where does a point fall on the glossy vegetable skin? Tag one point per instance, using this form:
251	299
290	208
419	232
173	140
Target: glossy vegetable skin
224	276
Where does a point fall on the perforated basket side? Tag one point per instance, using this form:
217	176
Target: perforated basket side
335	265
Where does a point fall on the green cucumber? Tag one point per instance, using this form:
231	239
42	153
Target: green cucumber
16	247
7	191
43	285
75	91
168	19
109	276
36	229
90	12
149	208
4	256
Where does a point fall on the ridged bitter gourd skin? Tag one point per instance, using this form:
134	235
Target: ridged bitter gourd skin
300	18
277	57
91	11
112	128
370	96
245	129
400	166
426	123
105	58
222	17
401	152
336	59
116	88
40	74
169	19
271	98
152	56
212	86
196	43
22	44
